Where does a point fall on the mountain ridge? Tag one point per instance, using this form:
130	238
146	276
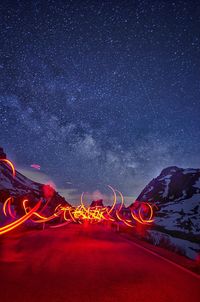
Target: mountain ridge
20	187
176	194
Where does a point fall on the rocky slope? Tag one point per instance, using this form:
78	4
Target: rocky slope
176	193
21	187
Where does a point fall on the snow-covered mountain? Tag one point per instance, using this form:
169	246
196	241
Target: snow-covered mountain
22	187
18	185
176	193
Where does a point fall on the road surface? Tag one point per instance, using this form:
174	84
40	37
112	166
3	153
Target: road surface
80	263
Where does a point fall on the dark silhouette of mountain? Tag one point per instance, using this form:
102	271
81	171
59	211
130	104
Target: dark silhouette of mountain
97	203
2	154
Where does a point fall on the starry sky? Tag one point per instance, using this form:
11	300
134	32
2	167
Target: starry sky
100	92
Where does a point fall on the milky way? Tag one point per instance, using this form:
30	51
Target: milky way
99	92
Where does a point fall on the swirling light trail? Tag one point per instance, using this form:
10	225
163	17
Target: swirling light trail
19	221
9	163
142	213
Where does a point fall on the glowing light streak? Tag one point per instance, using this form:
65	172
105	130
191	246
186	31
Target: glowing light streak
125	221
10	164
139	217
115	199
79	214
142	213
122	200
7	204
19	221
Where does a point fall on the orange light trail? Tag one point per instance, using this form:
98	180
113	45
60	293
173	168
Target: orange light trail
19	221
8	162
138	217
78	214
7	204
142	213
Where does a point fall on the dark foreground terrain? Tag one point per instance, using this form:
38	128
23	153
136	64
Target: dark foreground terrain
87	263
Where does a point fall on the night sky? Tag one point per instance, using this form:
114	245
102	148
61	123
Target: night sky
100	92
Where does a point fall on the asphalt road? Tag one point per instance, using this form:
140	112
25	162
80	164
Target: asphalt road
80	263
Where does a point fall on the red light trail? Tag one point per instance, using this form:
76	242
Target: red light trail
142	213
